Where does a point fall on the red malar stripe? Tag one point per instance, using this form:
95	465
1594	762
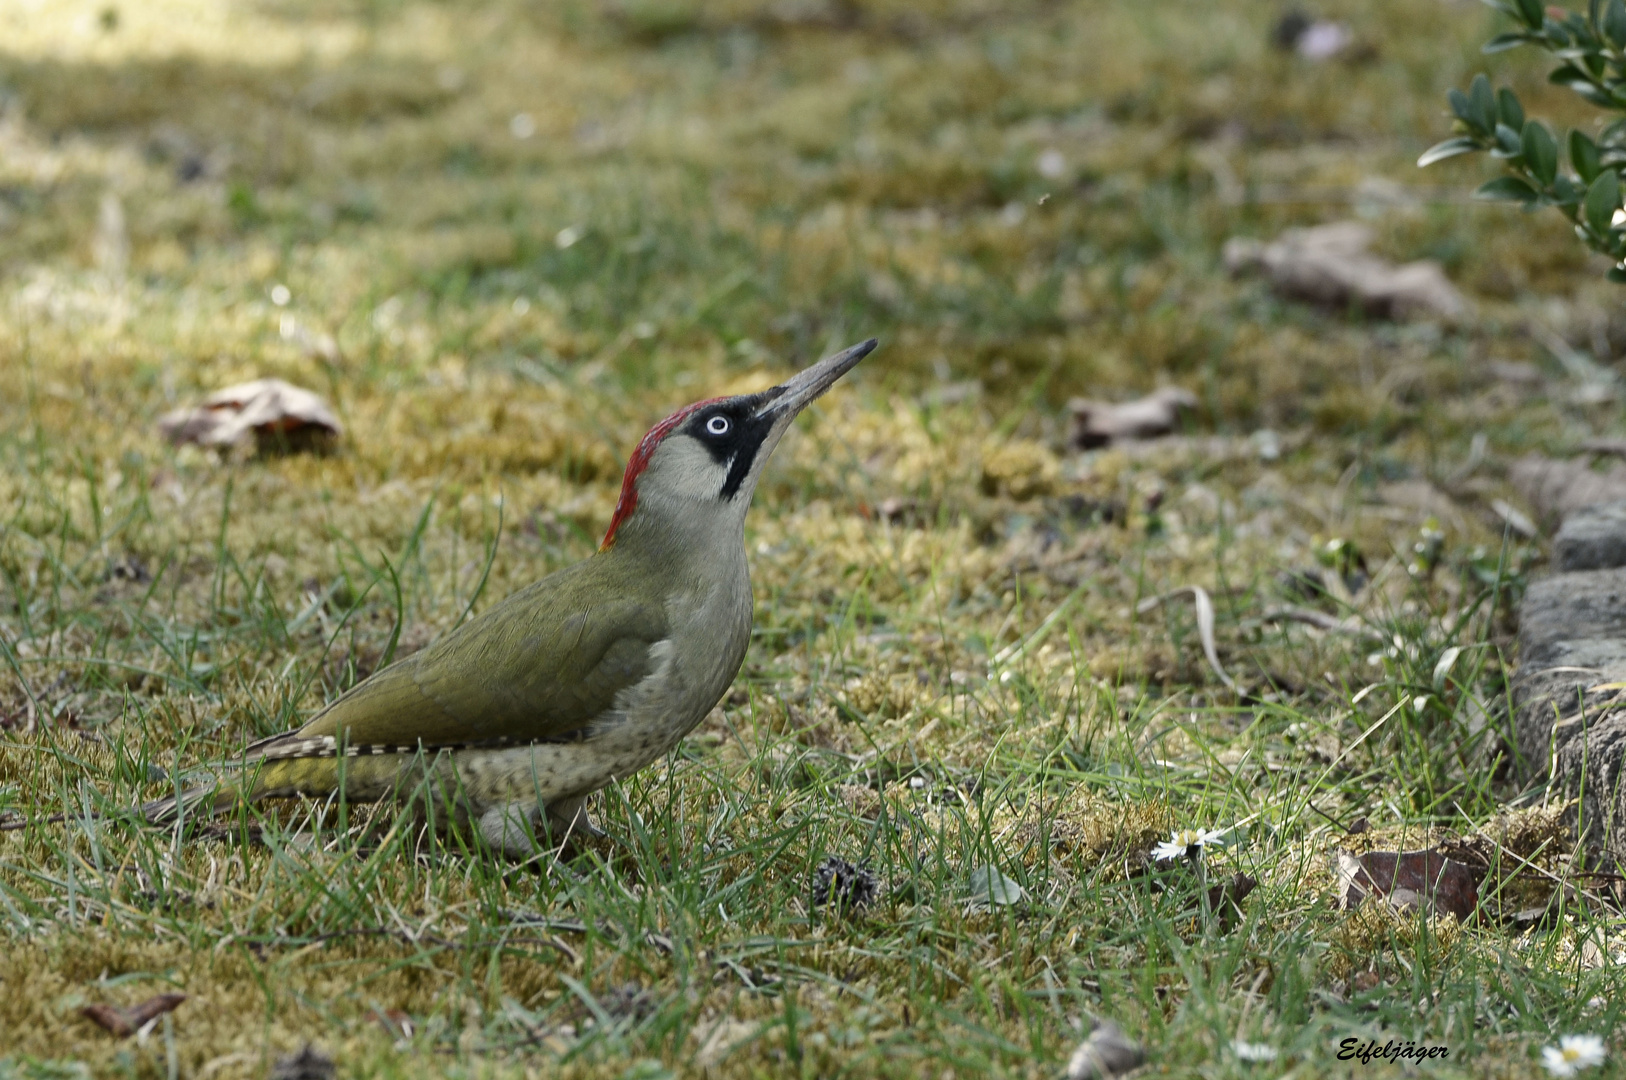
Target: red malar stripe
628	502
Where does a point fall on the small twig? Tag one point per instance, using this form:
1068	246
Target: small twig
1311	804
124	1022
1321	621
1602	875
25	822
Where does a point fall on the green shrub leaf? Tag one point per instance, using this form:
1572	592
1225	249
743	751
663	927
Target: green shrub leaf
1462	144
1507	104
1508	189
1540	152
1602	200
1566	192
1531	12
1567	75
1614	23
1504	42
1459	106
1482	103
1584	157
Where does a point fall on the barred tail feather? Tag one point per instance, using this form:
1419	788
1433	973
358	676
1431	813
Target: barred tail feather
366	779
191	802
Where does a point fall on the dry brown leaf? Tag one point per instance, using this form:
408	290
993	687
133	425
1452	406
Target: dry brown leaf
1329	265
1408	880
1225	899
1100	423
398	1024
262	408
125	1021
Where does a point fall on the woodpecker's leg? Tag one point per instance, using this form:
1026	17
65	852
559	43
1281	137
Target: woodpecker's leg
513	828
568	820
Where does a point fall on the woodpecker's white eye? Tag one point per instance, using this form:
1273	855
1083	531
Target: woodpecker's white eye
718	425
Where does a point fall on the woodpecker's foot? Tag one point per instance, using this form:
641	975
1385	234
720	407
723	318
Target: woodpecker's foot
517	830
523	830
568	822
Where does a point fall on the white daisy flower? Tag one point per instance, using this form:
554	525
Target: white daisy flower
1572	1054
1247	1051
1183	840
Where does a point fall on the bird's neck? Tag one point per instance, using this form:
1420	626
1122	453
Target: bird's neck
682	539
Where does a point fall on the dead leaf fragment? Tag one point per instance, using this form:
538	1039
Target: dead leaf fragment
1225	899
397	1023
1408	880
124	1021
988	887
1316	39
1100	423
1323	40
264	408
1329	265
1106	1053
1555	488
1364	981
1516	521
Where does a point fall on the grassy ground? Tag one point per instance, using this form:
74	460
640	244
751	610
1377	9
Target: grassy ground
511	237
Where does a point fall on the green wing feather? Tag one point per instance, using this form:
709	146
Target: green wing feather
543	664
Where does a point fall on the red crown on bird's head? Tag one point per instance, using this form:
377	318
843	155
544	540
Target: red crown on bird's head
628	502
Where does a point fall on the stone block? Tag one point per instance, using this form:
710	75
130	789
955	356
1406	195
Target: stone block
1571	607
1593	538
1590	766
1550	698
1569	708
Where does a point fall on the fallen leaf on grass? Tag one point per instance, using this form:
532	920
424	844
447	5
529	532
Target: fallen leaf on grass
1225	899
1107	1052
124	1022
1100	423
1329	265
265	409
989	887
1556	488
398	1024
1313	39
1515	520
1409	880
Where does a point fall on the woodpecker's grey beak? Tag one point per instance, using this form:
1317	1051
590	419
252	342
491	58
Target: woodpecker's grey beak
789	398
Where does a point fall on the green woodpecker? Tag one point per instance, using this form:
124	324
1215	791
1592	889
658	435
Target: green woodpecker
579	679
